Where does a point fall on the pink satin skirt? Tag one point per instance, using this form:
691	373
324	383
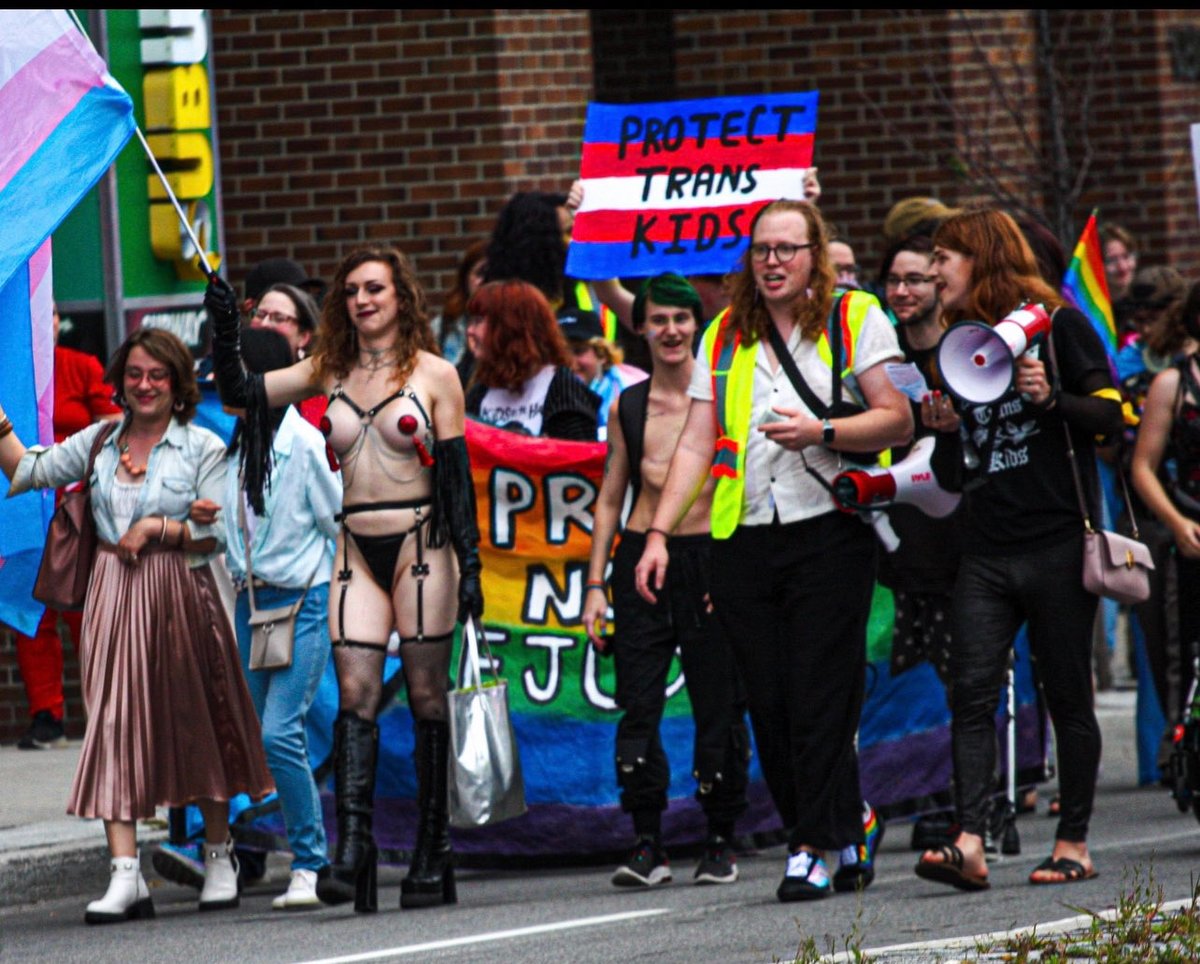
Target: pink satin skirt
169	718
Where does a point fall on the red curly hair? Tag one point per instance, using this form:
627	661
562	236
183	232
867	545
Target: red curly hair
522	334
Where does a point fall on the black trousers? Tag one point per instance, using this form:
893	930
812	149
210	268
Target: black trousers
993	596
646	640
795	600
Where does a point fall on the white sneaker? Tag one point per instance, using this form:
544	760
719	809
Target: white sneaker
301	893
127	897
220	877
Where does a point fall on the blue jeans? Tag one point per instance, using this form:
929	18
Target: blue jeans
281	699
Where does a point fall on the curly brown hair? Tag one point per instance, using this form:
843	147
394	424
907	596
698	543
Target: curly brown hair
522	334
337	352
1004	271
163	346
748	314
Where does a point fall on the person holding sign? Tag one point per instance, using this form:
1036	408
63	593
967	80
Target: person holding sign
644	427
792	577
395	425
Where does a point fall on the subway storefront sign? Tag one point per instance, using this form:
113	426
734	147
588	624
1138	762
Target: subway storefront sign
122	258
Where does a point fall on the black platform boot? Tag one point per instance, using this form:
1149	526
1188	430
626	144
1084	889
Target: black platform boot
430	879
352	875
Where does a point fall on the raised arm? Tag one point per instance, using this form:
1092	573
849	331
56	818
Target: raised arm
604	528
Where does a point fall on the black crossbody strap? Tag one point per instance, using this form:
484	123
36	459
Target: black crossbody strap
834	334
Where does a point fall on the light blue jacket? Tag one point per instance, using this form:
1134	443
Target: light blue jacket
188	463
296	535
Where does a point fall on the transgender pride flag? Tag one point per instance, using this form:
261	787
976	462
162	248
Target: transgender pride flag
673	186
63	120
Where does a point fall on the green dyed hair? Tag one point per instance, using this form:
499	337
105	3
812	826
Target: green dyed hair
668	288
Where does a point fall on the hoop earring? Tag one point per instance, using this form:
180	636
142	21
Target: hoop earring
178	406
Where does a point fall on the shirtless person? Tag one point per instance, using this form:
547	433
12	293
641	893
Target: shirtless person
644	424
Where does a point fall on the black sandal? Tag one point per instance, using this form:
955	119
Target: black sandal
949	870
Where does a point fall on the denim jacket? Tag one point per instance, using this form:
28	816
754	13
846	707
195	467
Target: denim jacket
186	464
295	537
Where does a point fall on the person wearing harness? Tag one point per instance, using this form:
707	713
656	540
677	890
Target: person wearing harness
645	422
792	575
407	556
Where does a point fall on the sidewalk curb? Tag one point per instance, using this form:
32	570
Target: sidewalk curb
62	870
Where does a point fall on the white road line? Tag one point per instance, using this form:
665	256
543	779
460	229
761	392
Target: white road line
493	936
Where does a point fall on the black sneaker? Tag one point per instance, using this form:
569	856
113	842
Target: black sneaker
647	866
717	865
44	733
182	864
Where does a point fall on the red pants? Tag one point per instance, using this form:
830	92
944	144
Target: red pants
40	659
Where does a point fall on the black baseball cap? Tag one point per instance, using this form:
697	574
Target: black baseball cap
580	324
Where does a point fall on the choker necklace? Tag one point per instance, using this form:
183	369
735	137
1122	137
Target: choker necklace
376	359
137	471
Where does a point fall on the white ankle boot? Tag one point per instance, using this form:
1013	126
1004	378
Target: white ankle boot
301	893
127	897
220	877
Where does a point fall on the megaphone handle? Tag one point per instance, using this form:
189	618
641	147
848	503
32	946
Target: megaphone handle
883	528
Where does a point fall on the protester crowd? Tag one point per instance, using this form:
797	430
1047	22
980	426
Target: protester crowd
728	406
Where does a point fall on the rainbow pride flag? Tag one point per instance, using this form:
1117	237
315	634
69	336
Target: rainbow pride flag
1086	287
64	121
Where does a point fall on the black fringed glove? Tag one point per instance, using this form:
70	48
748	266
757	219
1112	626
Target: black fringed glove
221	301
454	517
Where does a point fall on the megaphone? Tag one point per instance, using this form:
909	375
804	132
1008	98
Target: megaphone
909	482
977	360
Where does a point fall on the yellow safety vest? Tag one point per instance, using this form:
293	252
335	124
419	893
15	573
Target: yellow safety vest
732	365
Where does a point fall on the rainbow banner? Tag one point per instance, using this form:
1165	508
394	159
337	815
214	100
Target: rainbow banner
1086	287
535	500
674	185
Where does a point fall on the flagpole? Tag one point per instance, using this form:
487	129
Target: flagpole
208	270
187	226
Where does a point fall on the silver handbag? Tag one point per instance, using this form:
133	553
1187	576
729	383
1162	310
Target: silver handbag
272	631
486	786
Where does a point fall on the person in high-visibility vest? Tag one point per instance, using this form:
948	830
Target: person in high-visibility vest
792	577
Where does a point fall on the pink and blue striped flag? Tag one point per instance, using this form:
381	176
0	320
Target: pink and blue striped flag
1086	287
674	185
27	393
63	120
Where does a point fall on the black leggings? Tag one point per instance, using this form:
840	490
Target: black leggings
993	596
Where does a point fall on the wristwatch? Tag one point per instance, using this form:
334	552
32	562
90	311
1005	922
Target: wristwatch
827	432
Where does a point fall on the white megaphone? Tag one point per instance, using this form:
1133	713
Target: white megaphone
909	482
977	360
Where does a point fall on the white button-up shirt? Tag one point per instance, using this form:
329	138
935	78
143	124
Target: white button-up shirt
776	480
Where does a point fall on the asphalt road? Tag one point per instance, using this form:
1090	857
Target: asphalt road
1138	838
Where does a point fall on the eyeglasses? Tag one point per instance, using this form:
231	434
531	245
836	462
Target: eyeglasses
274	317
908	280
784	251
156	375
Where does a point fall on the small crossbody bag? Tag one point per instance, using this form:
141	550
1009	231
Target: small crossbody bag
272	631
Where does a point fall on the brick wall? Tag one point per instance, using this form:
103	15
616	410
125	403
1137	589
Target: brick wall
14	711
344	126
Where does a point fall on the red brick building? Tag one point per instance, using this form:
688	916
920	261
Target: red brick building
413	126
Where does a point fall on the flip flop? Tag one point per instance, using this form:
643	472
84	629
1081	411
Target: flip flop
949	870
1072	871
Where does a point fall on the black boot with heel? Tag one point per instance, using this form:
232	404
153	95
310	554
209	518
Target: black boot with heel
430	879
352	875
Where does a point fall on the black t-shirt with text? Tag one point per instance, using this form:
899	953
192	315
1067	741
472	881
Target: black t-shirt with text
1028	500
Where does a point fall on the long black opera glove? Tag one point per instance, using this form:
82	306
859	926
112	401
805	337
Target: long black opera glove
239	388
453	518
